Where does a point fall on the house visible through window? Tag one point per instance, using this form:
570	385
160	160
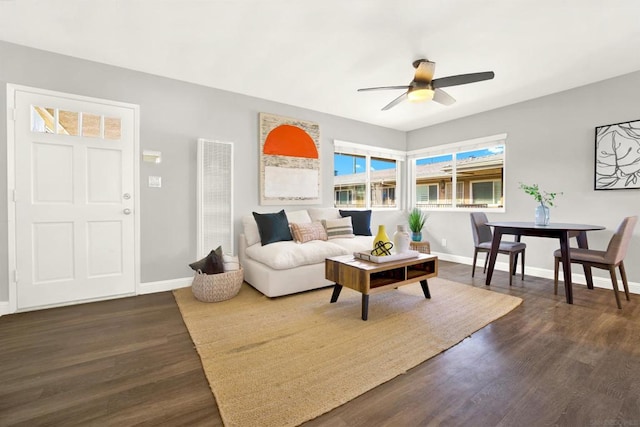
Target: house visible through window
474	168
366	176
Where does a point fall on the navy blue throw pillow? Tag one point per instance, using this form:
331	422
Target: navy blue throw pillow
273	227
361	221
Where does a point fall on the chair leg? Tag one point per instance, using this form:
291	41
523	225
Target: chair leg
522	266
623	274
475	257
556	267
614	282
510	268
486	260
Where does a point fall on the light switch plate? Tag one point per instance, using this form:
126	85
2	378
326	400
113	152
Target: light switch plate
155	181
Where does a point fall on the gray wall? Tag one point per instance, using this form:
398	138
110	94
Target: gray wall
173	115
550	142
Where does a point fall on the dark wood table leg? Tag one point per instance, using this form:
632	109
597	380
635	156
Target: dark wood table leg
493	254
515	258
365	306
336	292
425	289
566	266
582	243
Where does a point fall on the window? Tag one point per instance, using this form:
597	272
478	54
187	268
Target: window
73	123
366	176
486	192
474	168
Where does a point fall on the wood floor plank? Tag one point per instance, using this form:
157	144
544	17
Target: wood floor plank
131	362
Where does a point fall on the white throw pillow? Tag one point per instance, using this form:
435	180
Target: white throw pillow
318	214
299	217
251	232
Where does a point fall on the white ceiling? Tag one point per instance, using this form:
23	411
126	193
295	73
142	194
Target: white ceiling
315	54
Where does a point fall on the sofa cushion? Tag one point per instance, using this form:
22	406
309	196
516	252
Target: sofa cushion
338	228
250	230
318	214
273	227
303	233
285	255
361	221
355	244
299	217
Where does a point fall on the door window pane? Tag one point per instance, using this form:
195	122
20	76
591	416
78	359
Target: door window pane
91	125
42	119
67	122
112	128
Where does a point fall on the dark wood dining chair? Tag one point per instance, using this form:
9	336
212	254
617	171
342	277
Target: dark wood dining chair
482	237
608	260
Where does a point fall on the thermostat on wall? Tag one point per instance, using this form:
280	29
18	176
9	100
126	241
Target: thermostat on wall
155	181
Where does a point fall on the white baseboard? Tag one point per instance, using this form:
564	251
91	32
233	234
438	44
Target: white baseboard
4	307
164	285
144	288
599	282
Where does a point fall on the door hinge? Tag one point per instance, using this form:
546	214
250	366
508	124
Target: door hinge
15	276
13	195
12	114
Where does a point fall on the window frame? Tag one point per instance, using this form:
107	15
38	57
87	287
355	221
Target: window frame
369	152
453	149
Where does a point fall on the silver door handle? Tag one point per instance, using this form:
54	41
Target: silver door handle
127	211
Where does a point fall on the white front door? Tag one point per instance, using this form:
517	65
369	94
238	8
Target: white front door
74	199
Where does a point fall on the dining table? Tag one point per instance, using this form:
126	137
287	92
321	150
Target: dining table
562	232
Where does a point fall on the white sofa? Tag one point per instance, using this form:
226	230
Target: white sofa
283	268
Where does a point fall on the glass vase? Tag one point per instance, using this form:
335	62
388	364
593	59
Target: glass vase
542	215
381	243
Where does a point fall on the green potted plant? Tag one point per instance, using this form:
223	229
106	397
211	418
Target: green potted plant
545	199
417	218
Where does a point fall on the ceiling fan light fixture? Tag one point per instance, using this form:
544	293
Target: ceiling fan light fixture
420	95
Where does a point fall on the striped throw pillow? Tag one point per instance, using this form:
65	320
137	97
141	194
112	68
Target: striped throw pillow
308	231
338	228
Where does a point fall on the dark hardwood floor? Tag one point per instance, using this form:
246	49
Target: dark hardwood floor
131	362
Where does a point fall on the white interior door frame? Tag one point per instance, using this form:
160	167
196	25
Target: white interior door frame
11	179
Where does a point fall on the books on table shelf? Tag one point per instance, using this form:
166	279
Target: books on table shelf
366	256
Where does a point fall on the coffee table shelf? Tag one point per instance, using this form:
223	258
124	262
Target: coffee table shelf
370	278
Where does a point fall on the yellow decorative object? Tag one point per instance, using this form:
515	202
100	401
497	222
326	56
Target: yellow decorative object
381	243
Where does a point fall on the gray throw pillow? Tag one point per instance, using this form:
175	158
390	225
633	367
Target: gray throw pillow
211	264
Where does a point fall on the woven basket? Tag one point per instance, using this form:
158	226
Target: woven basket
217	287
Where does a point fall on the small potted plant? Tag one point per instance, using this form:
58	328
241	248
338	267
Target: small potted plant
417	218
544	198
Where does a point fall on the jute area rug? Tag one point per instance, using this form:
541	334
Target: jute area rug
283	361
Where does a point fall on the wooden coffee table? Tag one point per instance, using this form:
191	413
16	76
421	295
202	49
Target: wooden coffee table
369	277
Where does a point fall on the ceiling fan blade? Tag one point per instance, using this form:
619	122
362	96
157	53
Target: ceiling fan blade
383	88
443	97
462	79
395	102
424	71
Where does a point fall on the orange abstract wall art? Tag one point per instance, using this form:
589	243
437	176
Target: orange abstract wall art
289	161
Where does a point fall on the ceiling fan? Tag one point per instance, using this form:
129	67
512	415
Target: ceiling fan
424	87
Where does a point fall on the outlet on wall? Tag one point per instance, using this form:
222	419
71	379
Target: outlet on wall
444	242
